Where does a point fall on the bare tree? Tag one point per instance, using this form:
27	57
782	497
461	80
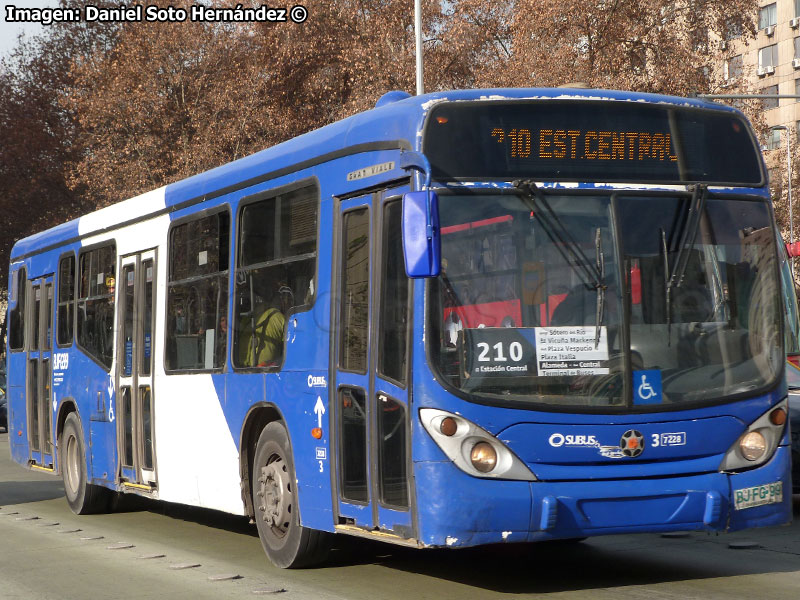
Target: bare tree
661	46
38	133
95	114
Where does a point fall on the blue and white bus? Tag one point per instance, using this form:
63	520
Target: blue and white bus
463	318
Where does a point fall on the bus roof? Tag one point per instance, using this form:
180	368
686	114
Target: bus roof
394	123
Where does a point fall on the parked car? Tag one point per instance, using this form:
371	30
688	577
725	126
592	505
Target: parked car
793	380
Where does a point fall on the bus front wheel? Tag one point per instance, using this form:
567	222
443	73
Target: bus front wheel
287	543
83	498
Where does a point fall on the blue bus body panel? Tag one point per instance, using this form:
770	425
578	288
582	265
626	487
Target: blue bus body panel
17	423
55	236
392	123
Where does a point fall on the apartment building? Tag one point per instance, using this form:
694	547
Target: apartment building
771	63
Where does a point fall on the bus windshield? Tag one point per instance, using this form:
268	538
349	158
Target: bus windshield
539	301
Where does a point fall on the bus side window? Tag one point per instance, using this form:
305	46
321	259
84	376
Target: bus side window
197	294
277	262
16	329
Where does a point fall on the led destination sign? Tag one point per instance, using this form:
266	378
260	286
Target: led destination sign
572	144
590	141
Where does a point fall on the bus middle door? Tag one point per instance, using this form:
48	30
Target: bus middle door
135	427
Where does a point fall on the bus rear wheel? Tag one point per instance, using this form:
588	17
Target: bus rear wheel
287	543
83	498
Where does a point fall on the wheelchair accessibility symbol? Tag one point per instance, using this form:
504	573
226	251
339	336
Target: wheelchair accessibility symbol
646	390
647	387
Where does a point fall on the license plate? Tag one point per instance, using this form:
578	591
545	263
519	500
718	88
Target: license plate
769	493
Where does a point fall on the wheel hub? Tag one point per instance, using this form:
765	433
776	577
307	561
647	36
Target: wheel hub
276	495
72	468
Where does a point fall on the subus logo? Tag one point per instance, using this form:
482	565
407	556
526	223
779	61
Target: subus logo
317	381
632	443
557	440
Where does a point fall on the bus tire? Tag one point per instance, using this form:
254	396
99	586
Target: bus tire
287	543
83	498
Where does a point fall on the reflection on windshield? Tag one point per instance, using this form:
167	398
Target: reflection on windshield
792	377
515	316
791	331
725	310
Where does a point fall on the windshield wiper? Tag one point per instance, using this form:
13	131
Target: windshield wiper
690	229
667	285
566	244
601	287
693	218
689	233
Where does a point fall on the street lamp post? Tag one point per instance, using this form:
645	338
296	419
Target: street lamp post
418	43
785	129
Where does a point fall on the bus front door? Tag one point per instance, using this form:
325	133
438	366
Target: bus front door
370	397
135	321
39	385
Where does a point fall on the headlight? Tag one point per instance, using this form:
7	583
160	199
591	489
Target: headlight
483	457
757	445
471	448
753	445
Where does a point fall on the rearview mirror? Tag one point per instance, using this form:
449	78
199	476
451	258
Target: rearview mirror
422	246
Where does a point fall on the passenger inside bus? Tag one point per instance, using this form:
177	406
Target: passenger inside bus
579	307
221	344
261	331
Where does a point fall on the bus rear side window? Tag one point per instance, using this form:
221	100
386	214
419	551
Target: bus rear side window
66	300
96	303
16	317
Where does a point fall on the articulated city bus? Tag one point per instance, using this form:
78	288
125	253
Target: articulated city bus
463	318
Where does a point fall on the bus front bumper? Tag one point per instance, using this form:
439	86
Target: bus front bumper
457	510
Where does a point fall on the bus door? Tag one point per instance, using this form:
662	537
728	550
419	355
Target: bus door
370	395
135	323
39	385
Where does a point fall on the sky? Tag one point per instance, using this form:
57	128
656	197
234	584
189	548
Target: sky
10	31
